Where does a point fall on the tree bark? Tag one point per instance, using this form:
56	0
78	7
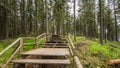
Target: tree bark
36	18
74	20
23	18
101	22
116	31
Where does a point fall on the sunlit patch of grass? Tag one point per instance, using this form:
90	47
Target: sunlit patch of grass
31	40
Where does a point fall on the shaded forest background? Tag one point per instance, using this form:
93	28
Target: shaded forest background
95	18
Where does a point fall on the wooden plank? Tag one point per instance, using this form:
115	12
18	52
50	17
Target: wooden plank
42	61
78	64
70	41
39	36
56	43
112	62
59	41
70	49
48	46
48	52
28	37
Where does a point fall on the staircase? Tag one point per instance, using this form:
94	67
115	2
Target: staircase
53	54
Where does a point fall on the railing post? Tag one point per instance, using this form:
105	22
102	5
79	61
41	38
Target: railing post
21	44
36	42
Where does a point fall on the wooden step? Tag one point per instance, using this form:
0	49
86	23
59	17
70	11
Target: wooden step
55	43
48	52
56	46
41	61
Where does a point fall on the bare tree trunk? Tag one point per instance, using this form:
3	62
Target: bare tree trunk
116	36
74	21
23	18
36	17
47	17
101	22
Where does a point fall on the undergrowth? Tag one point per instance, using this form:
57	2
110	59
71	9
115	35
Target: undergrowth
5	43
96	55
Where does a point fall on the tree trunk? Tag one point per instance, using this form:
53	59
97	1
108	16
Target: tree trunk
101	22
36	19
116	36
74	21
23	18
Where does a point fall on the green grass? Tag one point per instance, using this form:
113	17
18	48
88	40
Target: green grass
32	40
5	43
95	55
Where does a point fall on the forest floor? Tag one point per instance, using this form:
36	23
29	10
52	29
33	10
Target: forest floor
94	55
91	53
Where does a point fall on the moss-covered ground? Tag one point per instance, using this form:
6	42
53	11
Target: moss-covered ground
92	54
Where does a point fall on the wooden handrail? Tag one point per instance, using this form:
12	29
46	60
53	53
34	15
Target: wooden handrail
78	64
70	49
27	37
70	41
11	45
75	57
19	48
11	57
39	36
37	41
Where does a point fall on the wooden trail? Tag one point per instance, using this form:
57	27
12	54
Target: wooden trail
55	53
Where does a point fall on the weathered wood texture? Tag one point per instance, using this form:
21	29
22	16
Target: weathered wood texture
55	46
71	43
48	52
72	50
42	61
78	64
112	62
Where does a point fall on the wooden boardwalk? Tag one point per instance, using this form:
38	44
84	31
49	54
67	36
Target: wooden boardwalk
55	53
52	55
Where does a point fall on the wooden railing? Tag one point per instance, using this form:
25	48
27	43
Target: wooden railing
10	46
20	46
72	51
37	39
28	38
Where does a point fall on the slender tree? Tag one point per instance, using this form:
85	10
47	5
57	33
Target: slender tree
36	17
23	18
47	31
116	31
101	22
74	20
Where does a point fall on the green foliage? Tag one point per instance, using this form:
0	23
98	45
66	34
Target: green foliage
32	40
96	55
4	44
